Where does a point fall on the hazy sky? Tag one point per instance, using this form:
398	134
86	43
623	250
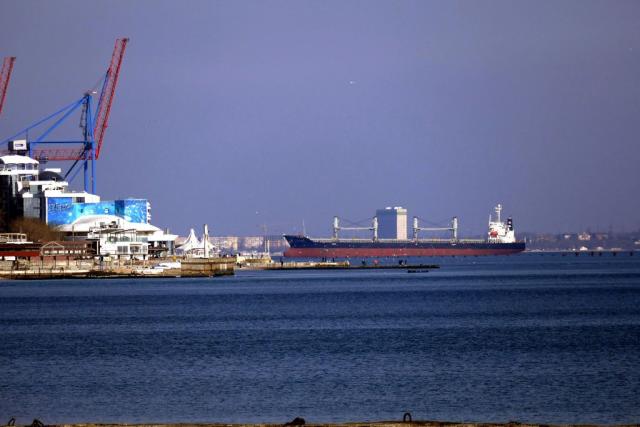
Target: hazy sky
240	113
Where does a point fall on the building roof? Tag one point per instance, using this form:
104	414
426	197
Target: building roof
87	223
14	158
191	242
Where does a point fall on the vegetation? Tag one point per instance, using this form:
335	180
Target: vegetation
36	230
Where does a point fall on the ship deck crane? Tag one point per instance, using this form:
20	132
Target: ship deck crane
5	77
453	228
87	150
337	227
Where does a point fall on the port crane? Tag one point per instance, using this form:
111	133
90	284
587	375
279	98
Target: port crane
5	76
85	151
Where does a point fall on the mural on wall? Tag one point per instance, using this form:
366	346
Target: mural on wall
133	210
62	210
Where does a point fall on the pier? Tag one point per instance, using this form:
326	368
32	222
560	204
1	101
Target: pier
89	269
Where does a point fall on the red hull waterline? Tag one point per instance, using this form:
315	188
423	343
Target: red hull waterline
391	252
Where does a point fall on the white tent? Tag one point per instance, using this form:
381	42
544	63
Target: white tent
191	244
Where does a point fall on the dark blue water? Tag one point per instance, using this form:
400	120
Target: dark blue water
529	338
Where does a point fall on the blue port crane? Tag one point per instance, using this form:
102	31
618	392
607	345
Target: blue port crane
93	123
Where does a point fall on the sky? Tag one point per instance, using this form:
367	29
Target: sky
244	113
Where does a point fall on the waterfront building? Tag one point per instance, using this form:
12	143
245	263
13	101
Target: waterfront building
117	227
28	192
115	236
228	244
15	172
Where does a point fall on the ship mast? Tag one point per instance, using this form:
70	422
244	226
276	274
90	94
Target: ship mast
498	210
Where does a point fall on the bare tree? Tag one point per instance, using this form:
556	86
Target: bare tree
36	230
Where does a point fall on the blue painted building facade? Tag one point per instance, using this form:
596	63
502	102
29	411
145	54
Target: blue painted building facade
63	210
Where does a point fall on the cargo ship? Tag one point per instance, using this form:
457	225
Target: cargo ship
500	240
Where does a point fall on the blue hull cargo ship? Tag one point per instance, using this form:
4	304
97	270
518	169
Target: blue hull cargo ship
500	240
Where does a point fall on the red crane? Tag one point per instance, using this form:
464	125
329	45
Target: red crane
5	76
87	150
95	132
108	93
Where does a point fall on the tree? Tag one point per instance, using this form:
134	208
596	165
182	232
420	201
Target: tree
3	221
36	230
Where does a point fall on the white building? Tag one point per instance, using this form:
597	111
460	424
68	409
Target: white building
24	189
119	227
116	236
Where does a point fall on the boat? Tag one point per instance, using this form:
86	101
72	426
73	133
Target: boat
500	240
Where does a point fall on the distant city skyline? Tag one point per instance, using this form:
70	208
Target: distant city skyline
244	114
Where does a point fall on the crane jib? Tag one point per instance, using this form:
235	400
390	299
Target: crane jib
87	150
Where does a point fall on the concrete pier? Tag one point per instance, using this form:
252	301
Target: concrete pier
89	269
207	267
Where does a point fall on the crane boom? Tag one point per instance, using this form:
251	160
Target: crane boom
82	152
108	93
5	76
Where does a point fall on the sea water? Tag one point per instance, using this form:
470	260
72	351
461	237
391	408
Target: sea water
531	338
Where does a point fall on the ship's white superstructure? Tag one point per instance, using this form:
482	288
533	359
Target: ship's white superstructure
500	232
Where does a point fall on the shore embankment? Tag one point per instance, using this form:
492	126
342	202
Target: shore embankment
90	269
350	424
190	267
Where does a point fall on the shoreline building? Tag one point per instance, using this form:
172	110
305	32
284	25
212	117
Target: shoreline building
116	227
392	223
